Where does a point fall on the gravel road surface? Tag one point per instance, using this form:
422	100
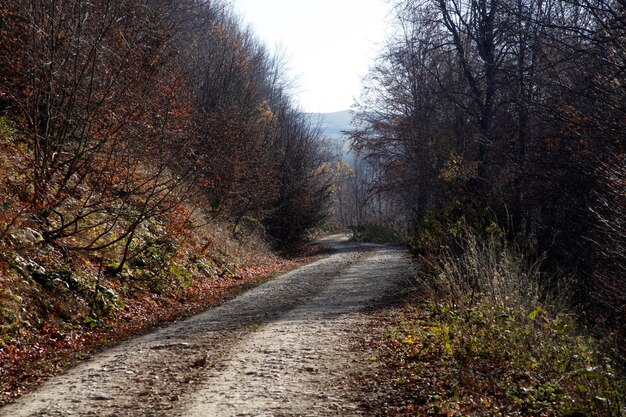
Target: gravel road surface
285	348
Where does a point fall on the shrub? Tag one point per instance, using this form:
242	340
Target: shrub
440	229
376	232
490	360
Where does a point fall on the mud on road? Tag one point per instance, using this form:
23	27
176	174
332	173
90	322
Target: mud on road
285	348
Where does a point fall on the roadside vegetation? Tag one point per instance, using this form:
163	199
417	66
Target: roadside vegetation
486	333
491	139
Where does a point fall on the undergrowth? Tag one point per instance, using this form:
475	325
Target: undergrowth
488	360
376	232
490	337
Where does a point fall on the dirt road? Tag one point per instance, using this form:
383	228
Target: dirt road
285	348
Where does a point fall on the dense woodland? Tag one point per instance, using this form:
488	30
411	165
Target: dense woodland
509	114
491	135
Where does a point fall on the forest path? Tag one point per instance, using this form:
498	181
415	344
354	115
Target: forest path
285	348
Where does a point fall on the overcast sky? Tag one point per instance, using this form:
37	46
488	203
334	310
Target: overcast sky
329	44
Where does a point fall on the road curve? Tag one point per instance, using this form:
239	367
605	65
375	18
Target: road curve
281	349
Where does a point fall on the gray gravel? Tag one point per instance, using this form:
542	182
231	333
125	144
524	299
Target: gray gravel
285	348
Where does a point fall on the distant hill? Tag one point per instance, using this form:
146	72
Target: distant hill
333	125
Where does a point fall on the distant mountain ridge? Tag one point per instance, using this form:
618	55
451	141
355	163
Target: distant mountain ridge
333	124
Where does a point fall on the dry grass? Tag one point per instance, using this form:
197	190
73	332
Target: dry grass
487	271
486	338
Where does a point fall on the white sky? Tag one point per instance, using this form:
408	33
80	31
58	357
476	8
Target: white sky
329	44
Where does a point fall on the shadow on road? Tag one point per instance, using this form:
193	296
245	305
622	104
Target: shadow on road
355	277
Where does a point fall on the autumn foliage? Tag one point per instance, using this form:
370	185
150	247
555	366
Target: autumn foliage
147	150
